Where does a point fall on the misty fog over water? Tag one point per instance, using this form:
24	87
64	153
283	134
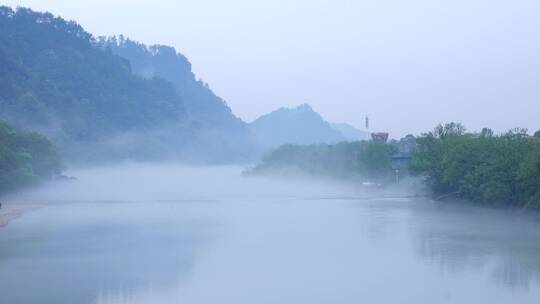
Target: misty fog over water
142	233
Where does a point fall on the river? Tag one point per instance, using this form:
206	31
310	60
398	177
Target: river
150	234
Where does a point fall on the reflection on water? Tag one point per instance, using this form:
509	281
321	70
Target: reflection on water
329	245
69	253
458	237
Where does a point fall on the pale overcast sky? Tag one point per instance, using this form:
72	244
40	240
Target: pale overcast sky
408	64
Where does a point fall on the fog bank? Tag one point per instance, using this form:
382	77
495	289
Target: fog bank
131	181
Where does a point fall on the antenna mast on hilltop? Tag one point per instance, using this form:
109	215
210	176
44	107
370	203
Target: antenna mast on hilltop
367	122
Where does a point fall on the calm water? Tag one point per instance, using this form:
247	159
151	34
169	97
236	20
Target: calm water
259	242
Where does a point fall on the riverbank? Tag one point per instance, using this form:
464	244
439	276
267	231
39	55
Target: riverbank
12	211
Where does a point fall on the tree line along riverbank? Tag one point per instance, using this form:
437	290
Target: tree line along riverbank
482	167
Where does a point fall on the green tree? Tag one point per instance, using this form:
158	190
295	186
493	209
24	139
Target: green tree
482	167
25	159
376	158
344	159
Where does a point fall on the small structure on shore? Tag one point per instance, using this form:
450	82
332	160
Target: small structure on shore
400	162
379	137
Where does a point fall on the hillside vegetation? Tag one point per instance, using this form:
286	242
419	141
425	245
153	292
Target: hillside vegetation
58	79
53	79
215	125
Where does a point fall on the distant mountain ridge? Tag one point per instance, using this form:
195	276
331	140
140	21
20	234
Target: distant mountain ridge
299	125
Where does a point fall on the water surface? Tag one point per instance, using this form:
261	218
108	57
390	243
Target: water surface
168	234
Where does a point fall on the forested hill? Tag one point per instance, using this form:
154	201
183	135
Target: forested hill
164	62
300	125
211	113
55	78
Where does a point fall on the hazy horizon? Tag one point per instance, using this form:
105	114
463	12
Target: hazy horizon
125	179
407	65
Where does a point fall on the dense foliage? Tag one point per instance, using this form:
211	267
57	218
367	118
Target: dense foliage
482	167
51	73
25	158
344	159
103	99
55	80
